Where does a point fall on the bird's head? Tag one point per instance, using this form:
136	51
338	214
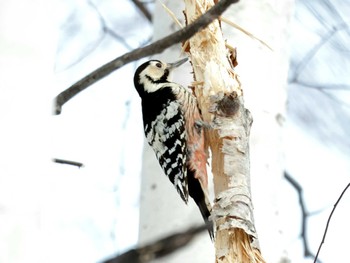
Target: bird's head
150	74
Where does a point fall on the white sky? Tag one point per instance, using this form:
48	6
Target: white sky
56	213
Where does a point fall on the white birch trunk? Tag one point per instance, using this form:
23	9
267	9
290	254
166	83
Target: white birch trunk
263	74
217	86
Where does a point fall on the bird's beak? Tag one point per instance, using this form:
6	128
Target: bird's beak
176	64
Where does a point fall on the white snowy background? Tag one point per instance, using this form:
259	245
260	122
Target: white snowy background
58	213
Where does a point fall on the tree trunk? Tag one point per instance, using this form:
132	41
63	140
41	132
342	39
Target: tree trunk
220	99
263	73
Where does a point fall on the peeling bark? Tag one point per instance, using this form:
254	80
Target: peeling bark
220	99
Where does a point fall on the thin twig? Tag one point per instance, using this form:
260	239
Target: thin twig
304	214
238	27
158	249
325	90
139	53
61	161
299	68
328	221
143	9
107	29
171	14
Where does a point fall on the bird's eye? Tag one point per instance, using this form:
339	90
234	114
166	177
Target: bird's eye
158	65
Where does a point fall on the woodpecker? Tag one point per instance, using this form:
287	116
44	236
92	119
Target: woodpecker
171	121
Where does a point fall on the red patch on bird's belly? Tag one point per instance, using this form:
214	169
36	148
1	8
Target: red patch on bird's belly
201	172
198	157
196	154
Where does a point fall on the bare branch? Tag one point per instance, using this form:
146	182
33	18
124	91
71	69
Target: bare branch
329	219
139	53
312	52
143	9
159	248
107	29
61	161
304	214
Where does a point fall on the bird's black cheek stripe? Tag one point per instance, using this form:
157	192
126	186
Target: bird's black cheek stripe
150	79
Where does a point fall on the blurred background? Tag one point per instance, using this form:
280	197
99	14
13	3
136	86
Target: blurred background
298	92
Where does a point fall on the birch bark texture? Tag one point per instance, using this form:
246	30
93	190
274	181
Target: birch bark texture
263	73
220	99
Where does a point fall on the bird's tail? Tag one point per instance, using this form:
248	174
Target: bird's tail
201	199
